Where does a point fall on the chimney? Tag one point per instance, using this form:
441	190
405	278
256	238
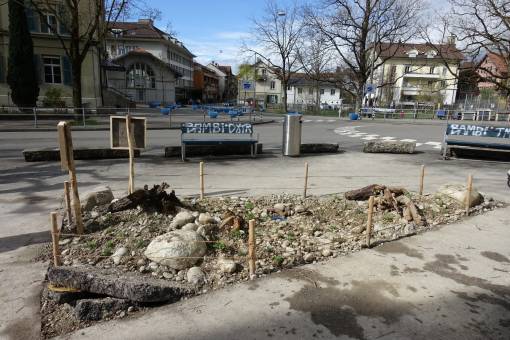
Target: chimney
451	40
146	21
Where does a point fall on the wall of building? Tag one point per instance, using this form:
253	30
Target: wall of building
308	95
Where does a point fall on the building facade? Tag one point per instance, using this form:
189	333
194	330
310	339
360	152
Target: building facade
129	36
227	81
303	91
265	89
206	84
416	73
493	68
52	64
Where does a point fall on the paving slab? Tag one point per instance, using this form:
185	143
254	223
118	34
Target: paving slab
450	283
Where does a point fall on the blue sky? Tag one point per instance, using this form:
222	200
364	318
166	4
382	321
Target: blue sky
207	27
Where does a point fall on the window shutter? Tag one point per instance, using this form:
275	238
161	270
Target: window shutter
39	68
33	20
67	70
2	69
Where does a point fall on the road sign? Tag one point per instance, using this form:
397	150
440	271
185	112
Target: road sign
247	85
118	136
370	88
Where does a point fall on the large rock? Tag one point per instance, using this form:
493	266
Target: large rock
97	309
459	192
116	283
99	196
177	249
389	147
181	219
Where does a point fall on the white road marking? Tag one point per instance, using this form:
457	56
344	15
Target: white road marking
308	120
408	140
419	144
388	138
369	138
433	143
319	121
357	135
331	121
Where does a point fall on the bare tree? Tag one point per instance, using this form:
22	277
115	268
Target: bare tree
480	27
277	34
354	27
315	59
80	25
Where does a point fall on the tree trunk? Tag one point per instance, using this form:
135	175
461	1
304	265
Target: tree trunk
77	99
359	98
284	85
318	98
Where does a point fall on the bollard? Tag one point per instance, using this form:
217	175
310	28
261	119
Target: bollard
83	116
251	248
201	180
306	179
422	178
369	219
55	238
35	117
129	134
468	193
67	197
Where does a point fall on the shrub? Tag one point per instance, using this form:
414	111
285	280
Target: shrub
53	98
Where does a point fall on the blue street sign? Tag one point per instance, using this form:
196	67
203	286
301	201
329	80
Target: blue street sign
246	85
370	88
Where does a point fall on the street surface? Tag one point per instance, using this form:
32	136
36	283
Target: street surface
29	191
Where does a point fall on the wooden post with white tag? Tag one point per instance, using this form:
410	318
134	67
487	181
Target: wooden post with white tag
65	141
129	135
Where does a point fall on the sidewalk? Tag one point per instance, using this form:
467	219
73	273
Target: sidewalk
451	283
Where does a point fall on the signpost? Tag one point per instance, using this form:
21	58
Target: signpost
65	141
129	133
246	86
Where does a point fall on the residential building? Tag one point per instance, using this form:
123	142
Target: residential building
206	84
266	86
129	36
142	77
304	91
227	81
416	73
52	64
492	68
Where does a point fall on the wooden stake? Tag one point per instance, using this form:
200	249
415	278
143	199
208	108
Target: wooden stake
369	220
468	193
67	163
202	189
67	197
55	236
129	134
422	178
306	179
251	248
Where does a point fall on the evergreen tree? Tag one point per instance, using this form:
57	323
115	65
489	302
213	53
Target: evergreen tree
21	73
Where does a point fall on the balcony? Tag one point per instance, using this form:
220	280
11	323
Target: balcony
418	75
409	90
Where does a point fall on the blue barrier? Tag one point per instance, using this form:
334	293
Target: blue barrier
212	114
154	104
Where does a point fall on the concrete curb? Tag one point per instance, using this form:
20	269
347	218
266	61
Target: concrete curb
53	154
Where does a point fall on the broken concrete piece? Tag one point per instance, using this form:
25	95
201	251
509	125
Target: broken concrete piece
129	286
97	309
179	249
389	147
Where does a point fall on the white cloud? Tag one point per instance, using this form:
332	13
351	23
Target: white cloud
232	35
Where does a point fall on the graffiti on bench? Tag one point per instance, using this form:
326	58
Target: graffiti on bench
477	131
220	128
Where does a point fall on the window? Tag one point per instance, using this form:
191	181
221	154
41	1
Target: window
289	88
299	90
140	75
332	92
272	85
322	91
444	71
48	23
407	69
264	71
52	70
310	91
431	70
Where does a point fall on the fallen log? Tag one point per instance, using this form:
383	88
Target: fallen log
364	194
155	199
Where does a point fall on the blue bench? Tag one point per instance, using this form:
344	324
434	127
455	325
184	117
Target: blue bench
217	133
475	137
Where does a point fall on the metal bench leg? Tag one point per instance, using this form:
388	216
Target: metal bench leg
183	152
